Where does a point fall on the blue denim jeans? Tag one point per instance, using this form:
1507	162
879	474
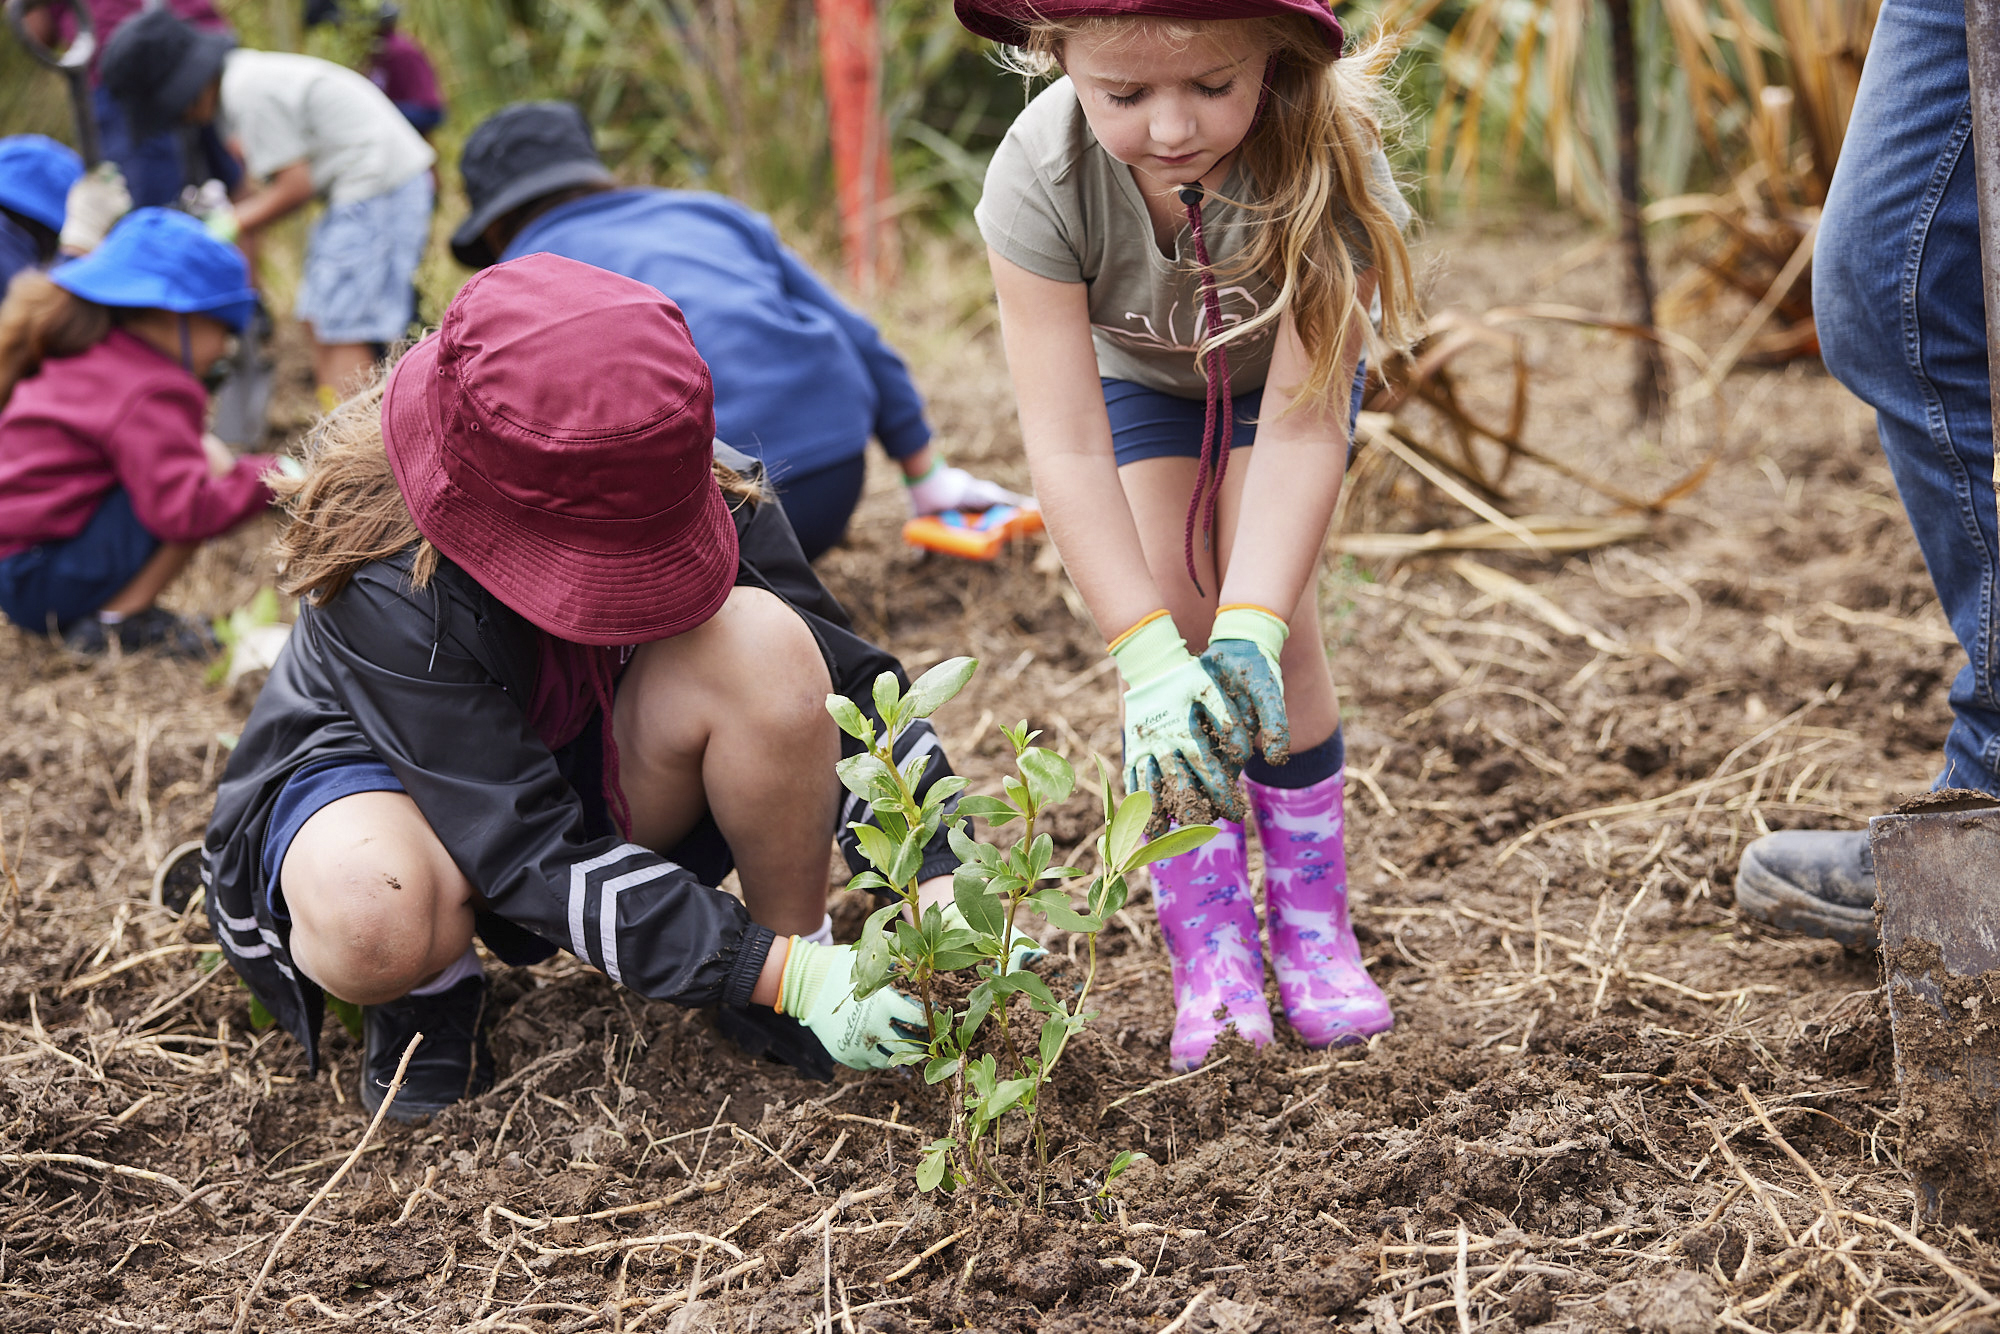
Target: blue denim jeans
1902	323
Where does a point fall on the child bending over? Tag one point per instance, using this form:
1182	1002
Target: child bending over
1186	233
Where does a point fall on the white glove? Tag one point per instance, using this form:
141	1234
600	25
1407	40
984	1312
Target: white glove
947	488
96	202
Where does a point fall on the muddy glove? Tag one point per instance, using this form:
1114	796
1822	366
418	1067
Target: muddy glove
947	488
818	990
96	202
1242	656
1176	716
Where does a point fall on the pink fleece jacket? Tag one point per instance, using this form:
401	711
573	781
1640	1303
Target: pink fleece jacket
121	414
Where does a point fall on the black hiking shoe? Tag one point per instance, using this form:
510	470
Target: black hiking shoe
762	1031
175	636
452	1062
1818	882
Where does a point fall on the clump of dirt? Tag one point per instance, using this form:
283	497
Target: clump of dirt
1947	1029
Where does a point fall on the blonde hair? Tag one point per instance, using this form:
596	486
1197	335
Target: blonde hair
40	322
1317	224
347	509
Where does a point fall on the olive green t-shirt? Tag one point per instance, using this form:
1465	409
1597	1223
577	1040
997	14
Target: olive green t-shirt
1062	208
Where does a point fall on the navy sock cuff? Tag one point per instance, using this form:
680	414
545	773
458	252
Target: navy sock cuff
1306	767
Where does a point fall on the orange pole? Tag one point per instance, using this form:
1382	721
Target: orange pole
851	61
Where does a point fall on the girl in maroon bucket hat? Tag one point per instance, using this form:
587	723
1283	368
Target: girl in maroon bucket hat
558	668
1187	232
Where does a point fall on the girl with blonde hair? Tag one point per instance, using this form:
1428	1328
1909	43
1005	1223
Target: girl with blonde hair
1187	233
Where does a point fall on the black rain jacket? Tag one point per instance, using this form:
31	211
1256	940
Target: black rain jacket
434	682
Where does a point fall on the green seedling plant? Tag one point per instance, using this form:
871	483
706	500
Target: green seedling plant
981	936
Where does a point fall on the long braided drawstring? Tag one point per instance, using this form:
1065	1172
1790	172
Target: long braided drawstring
1218	426
1218	430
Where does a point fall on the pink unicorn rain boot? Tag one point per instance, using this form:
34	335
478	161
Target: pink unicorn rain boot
1210	923
1328	996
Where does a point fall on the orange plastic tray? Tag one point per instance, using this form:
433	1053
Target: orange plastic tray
972	534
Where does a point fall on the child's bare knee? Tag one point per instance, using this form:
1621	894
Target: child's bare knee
365	932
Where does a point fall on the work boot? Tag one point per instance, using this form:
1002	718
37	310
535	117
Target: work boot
176	636
1819	882
452	1062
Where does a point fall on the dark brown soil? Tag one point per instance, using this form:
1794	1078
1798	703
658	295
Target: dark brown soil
1948	1059
1585	1118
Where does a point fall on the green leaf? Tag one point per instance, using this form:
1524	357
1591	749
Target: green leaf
906	860
940	1069
866	777
1018	736
1173	843
1029	985
848	716
1120	1163
1050	777
1055	905
1128	827
980	1076
887	696
876	846
938	685
868	880
944	790
873	959
1017	792
913	769
260	1018
931	1168
1054	1034
991	809
982	912
950	960
977	1006
1004	1095
1040	853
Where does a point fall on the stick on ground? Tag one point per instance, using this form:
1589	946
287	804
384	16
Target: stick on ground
388	1101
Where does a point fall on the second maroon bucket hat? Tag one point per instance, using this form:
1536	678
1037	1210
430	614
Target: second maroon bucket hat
554	438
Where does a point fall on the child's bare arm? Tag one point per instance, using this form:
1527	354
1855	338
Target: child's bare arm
289	188
1045	326
1293	476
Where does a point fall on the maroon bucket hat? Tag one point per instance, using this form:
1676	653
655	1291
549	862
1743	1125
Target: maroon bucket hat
1008	21
554	438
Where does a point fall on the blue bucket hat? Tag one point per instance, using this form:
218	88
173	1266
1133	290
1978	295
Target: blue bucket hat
36	173
161	259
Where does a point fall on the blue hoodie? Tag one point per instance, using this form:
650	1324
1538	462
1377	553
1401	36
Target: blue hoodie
801	380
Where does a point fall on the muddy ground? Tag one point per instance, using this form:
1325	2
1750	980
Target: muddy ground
1608	1102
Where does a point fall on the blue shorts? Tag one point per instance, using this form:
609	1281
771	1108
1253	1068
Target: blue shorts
69	580
1149	424
361	266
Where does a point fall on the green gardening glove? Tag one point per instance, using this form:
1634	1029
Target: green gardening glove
1178	723
818	990
1242	656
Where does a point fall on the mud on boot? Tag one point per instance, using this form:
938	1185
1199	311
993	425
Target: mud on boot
451	1063
1210	924
1818	882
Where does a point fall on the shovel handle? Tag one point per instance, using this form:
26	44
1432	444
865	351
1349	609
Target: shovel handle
73	64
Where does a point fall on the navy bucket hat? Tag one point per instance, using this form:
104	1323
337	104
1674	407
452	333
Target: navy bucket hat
36	173
517	155
160	259
157	63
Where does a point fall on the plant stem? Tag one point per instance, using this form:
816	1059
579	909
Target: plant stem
1649	374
